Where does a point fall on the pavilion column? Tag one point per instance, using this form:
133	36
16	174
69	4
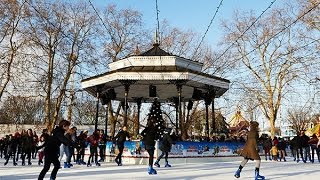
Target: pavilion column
179	89
107	118
179	84
126	84
207	103
97	112
213	125
139	102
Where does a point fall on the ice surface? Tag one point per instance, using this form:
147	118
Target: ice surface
205	171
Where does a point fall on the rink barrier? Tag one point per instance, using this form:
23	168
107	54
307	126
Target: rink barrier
181	152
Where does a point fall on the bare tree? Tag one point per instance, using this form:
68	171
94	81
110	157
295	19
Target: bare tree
61	34
299	119
11	41
267	55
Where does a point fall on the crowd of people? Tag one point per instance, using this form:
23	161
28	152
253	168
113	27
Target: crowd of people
27	145
50	149
302	148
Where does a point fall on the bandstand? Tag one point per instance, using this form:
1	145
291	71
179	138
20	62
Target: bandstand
156	74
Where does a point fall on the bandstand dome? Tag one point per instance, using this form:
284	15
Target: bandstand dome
157	68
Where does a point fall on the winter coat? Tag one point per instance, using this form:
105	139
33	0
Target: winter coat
121	137
250	149
304	141
26	143
52	144
40	144
166	143
149	135
13	143
93	140
295	142
313	141
281	145
274	151
267	144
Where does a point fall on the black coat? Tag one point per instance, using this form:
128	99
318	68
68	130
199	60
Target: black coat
295	142
52	145
149	135
166	143
304	141
281	145
26	143
121	137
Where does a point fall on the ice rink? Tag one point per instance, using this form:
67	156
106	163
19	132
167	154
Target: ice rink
214	170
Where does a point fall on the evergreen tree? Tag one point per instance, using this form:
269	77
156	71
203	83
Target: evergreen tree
155	115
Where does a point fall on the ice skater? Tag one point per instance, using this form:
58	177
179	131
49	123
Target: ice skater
149	135
120	139
51	150
165	147
251	151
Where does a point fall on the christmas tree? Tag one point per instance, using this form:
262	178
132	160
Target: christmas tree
155	115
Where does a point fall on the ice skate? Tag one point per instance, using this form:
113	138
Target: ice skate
117	161
29	163
237	174
98	164
167	165
151	170
66	165
157	164
6	163
83	163
258	176
15	164
89	164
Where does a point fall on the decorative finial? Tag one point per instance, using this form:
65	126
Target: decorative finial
156	38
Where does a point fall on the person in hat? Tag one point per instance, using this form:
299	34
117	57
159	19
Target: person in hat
251	151
165	147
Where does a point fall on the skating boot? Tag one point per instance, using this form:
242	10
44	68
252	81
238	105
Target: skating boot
98	164
83	163
237	174
258	176
117	161
157	164
39	163
70	165
29	163
284	159
167	165
6	163
65	165
151	170
15	164
89	164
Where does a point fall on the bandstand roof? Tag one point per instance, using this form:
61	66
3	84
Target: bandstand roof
159	68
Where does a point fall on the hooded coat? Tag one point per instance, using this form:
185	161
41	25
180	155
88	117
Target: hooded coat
250	149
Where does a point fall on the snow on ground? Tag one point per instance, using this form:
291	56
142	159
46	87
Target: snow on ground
194	171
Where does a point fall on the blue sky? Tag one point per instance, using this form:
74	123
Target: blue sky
190	14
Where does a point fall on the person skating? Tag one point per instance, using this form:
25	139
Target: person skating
93	141
305	152
41	150
251	151
12	148
26	146
81	146
51	151
149	135
120	139
165	147
314	149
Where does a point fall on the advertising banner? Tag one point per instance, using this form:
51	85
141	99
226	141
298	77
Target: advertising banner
180	149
